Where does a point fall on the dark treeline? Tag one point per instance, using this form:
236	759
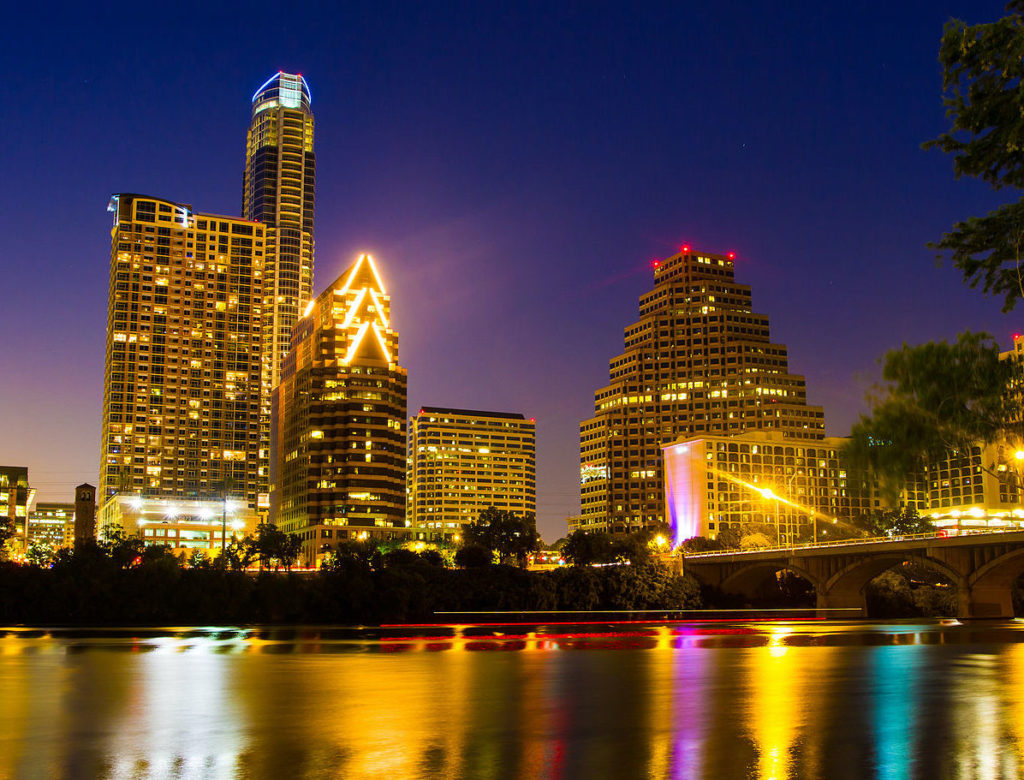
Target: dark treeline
89	588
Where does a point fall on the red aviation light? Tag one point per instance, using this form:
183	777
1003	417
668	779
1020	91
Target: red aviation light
655	263
731	255
686	249
1016	336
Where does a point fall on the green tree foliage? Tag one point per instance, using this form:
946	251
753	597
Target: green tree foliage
939	397
41	553
473	556
123	550
585	548
512	537
982	68
893	522
6	534
86	586
747	535
272	547
238	555
699	544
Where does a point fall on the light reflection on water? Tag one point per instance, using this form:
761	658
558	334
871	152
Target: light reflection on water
718	700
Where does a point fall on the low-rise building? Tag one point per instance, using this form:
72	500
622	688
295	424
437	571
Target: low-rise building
52	525
183	524
719	483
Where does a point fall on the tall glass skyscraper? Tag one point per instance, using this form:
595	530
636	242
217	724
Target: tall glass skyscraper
699	361
278	189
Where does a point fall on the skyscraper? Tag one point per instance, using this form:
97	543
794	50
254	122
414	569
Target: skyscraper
462	461
698	361
278	189
183	385
339	419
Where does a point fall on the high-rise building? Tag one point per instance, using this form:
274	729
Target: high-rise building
183	385
278	189
699	361
462	461
338	433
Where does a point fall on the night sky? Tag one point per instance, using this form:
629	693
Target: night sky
514	172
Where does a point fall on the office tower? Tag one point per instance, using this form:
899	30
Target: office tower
183	385
51	525
16	501
338	433
462	461
799	487
85	513
278	188
699	361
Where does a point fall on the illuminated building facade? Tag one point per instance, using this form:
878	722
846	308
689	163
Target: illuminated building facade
339	419
698	362
182	524
16	501
718	483
52	525
463	461
278	190
183	387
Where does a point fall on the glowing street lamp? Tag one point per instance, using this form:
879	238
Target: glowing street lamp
768	496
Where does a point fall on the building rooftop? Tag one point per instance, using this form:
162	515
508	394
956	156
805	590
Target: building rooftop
287	90
470	413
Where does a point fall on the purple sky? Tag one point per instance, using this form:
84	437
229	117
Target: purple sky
513	171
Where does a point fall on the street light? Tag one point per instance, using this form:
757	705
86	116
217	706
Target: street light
768	496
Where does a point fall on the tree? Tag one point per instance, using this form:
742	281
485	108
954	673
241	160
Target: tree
271	545
939	398
585	548
6	533
41	553
513	538
894	522
239	554
699	544
982	69
122	549
472	556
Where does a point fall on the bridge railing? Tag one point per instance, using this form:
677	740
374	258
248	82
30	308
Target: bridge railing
939	534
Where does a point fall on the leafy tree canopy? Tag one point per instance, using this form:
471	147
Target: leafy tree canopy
983	67
6	533
938	397
512	537
893	522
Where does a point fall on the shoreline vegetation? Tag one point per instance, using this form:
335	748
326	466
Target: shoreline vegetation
120	581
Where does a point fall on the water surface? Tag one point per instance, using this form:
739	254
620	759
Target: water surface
718	700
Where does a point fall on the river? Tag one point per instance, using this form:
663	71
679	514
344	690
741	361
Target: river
703	700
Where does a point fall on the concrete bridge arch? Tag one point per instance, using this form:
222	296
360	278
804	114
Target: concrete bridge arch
847	587
747	579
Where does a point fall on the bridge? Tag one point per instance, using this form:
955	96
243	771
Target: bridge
981	566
